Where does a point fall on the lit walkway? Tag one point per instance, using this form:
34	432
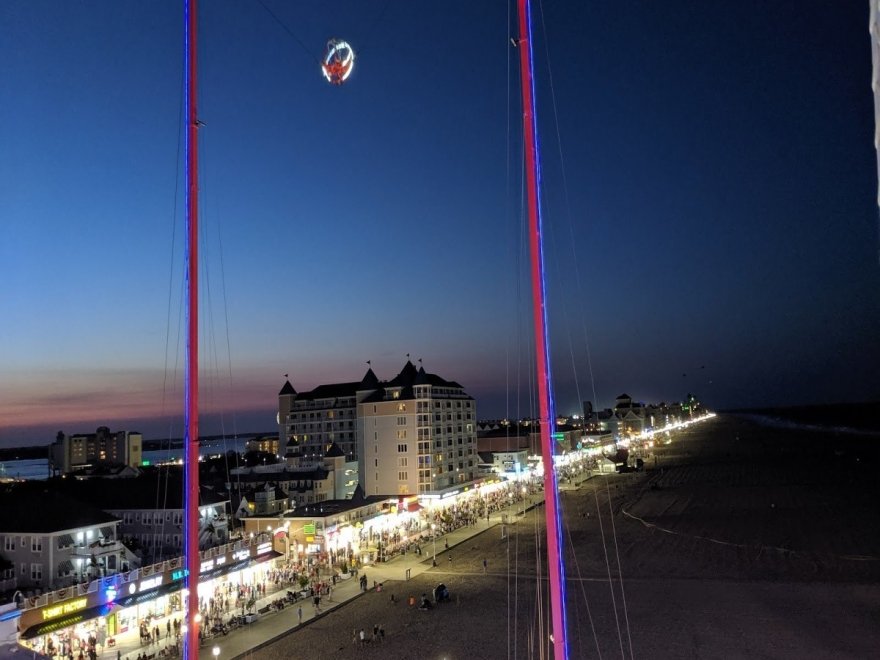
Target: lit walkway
276	624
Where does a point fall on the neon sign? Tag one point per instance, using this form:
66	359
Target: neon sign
65	608
152	583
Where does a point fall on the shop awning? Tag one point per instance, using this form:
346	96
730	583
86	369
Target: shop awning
65	540
107	532
128	600
65	567
66	621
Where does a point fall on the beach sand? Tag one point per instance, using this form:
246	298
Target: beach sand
740	541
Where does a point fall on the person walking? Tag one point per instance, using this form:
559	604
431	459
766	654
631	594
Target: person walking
299	613
485	565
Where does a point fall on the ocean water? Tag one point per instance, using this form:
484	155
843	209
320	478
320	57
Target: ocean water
781	422
842	418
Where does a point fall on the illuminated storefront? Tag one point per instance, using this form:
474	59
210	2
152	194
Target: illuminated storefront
121	604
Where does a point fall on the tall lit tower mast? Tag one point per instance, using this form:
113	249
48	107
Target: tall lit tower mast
874	27
191	377
545	396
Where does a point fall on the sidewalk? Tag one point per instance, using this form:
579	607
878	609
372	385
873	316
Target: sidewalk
276	624
272	627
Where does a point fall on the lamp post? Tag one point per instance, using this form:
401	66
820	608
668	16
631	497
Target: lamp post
487	507
215	651
524	491
434	540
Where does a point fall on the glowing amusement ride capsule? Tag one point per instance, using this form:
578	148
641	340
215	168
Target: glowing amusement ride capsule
338	61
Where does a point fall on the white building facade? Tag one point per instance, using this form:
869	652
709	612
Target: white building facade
411	435
416	434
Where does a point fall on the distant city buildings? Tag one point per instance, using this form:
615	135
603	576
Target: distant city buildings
629	417
267	444
71	453
594	428
504	437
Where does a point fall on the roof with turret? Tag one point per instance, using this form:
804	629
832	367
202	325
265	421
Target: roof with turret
331	391
404	382
333	451
369	381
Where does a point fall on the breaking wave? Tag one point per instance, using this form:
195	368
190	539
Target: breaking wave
783	423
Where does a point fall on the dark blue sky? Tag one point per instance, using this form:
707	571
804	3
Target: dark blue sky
713	229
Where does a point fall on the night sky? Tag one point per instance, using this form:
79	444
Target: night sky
711	216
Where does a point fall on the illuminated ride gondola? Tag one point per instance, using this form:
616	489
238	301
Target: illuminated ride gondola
338	62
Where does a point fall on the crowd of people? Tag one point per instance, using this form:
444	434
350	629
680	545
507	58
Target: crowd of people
74	647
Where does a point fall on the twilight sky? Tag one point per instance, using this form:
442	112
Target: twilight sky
711	214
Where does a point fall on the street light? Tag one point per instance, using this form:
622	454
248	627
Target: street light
434	539
215	651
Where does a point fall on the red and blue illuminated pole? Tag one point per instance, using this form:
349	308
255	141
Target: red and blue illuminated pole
191	376
556	568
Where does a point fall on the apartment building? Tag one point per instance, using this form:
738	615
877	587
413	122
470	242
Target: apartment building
413	434
51	541
417	434
150	510
310	422
70	453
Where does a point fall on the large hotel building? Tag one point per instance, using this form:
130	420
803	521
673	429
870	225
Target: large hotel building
412	435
